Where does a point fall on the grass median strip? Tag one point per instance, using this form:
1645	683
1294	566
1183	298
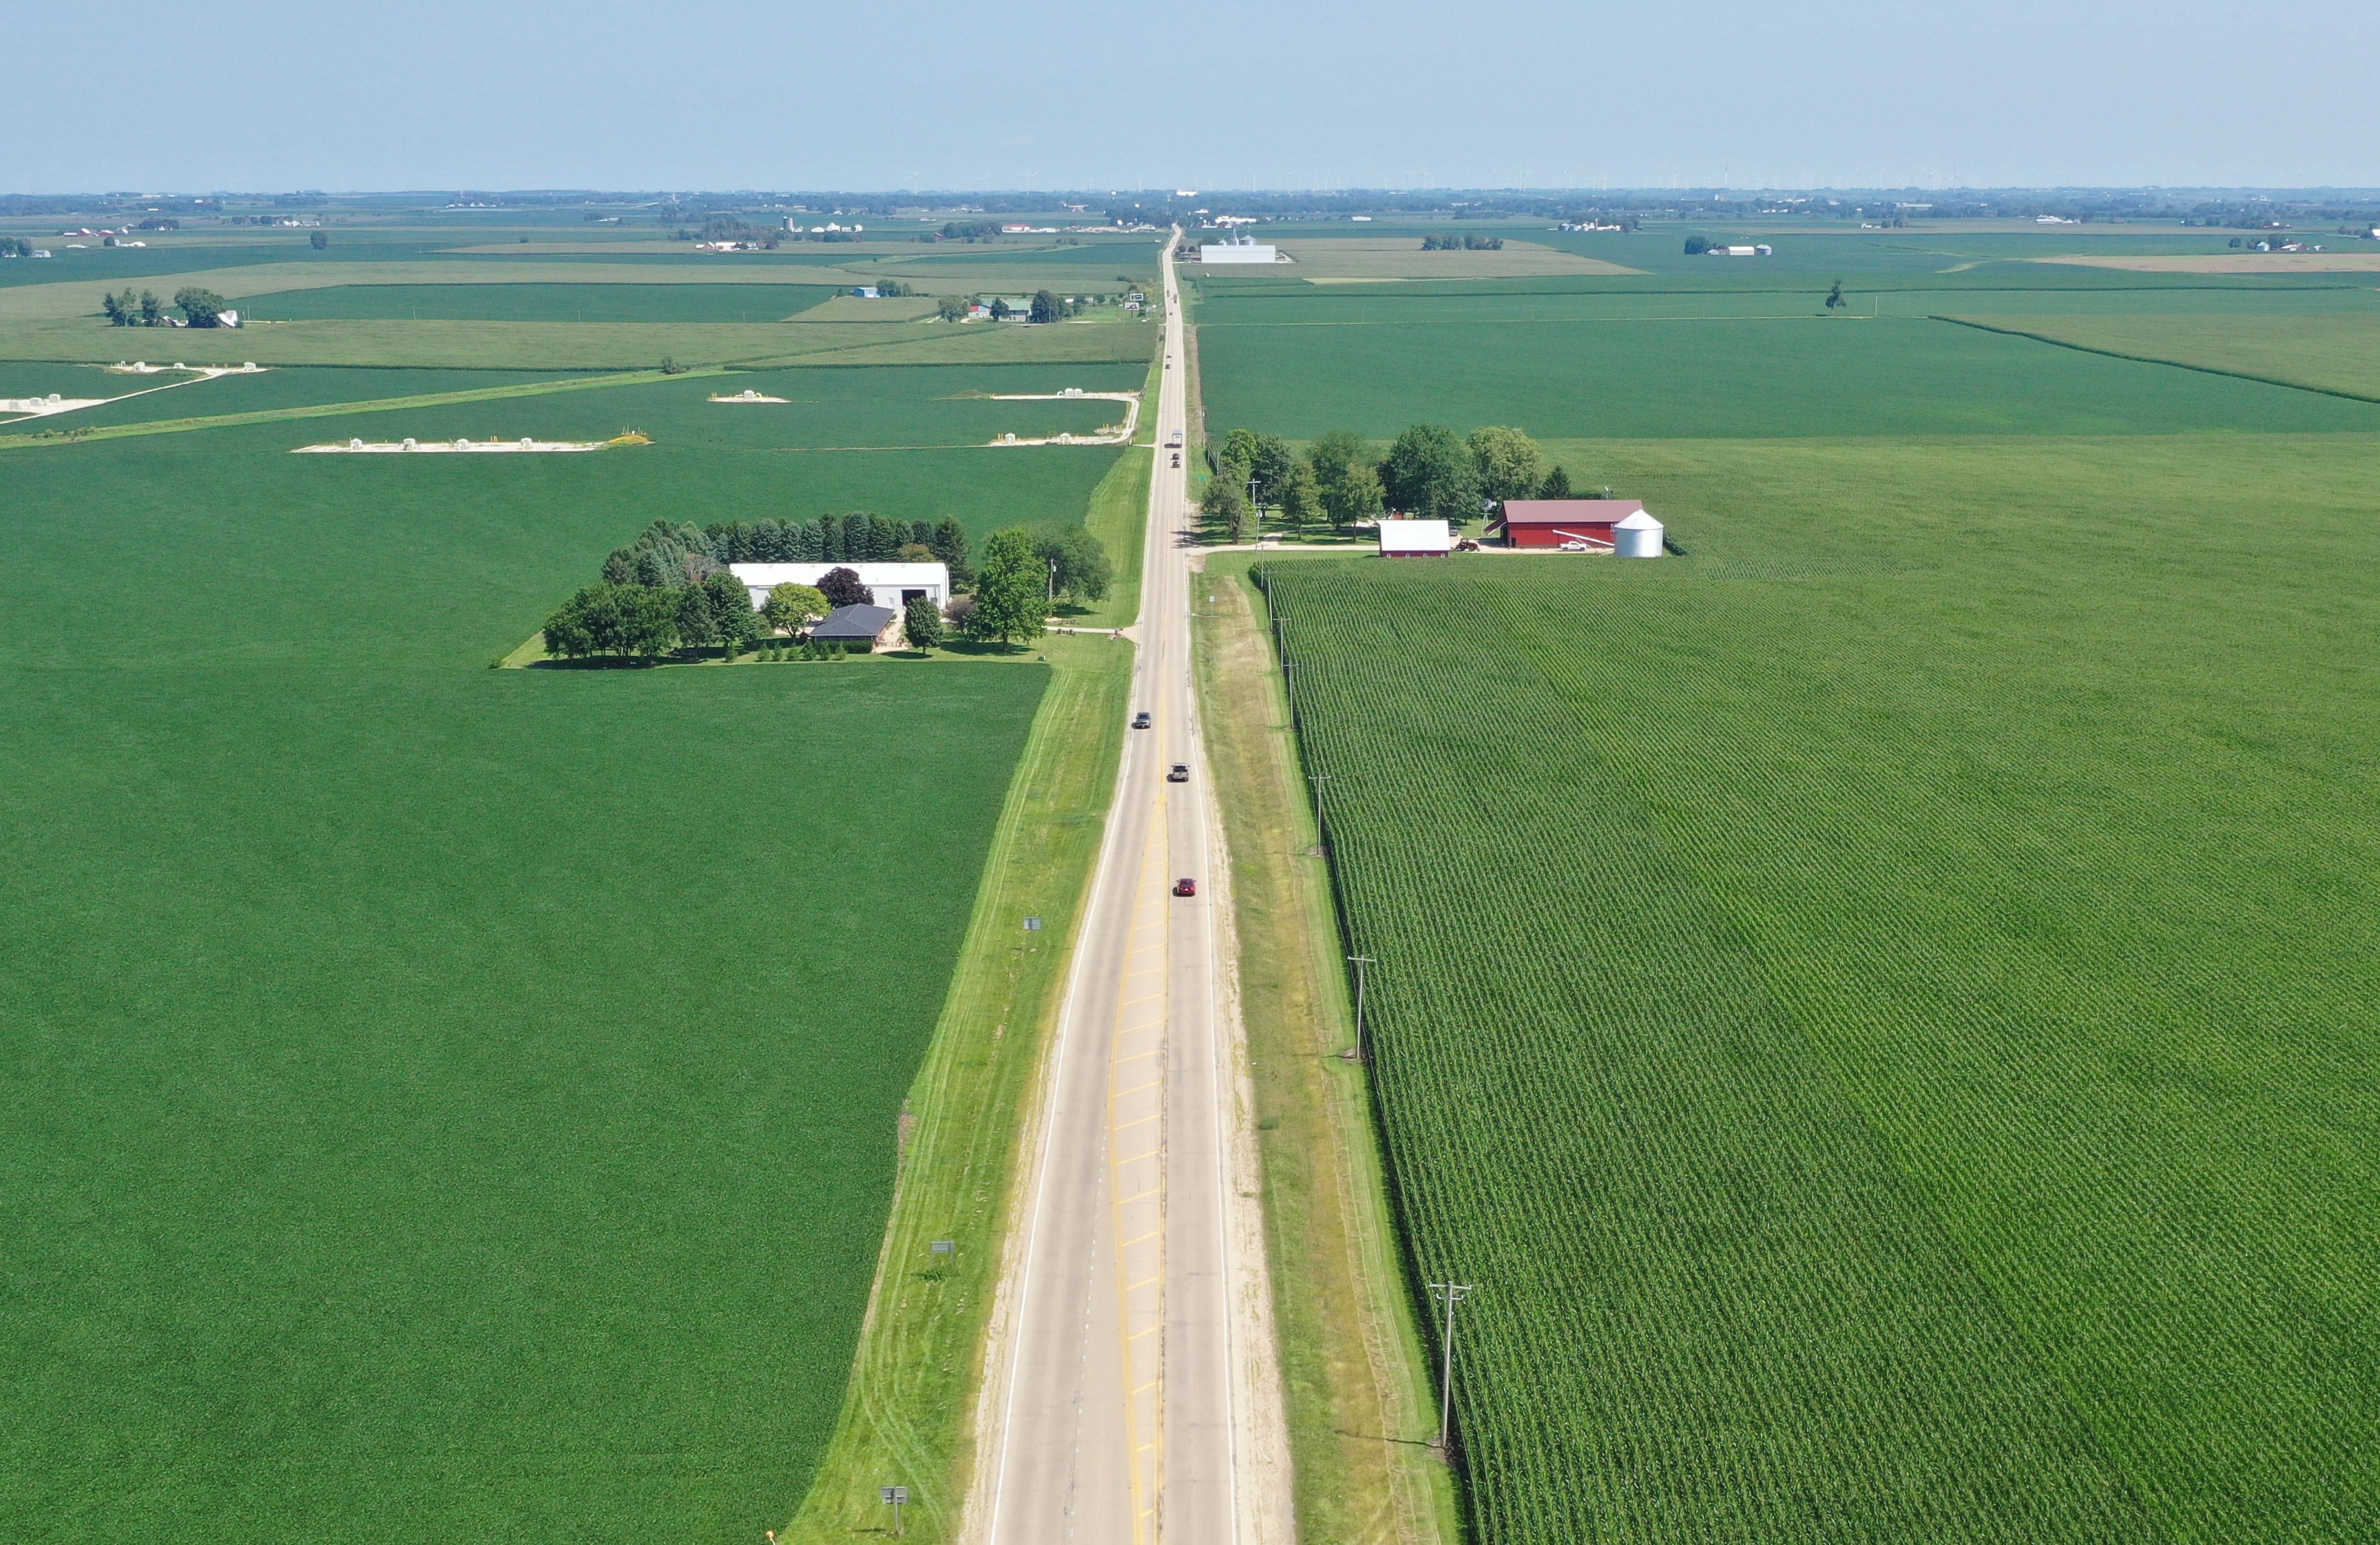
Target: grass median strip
908	1413
1359	1397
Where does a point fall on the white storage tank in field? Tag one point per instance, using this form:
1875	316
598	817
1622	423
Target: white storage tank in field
1638	536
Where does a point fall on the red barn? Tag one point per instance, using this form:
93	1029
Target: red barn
1561	522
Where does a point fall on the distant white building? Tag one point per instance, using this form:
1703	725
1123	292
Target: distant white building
1242	250
890	584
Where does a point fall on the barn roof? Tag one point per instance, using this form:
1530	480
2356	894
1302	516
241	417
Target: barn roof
1567	512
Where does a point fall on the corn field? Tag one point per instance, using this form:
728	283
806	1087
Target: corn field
1798	1020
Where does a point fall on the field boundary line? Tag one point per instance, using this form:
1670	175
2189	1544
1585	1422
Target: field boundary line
2156	359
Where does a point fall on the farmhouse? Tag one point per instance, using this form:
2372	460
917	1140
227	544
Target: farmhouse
854	627
1415	539
1581	525
893	586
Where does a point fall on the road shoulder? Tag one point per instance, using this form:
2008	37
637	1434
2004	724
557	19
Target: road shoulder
909	1412
1359	1402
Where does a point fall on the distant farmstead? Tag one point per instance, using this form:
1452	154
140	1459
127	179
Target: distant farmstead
1415	539
1243	251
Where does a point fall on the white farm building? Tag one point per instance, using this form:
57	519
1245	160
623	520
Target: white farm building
1415	539
893	586
1243	251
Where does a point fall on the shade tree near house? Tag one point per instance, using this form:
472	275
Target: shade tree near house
1507	461
791	608
200	308
1010	592
1430	473
843	587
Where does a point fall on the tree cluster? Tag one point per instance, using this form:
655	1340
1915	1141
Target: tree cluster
15	247
859	537
130	310
1462	244
645	622
1077	563
1429	472
200	308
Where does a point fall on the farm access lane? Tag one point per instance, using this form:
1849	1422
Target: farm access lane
1123	1413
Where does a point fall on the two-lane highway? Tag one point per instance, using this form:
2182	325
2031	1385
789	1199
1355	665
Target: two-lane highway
1114	1405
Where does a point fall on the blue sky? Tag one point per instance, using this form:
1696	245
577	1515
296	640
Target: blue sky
1215	95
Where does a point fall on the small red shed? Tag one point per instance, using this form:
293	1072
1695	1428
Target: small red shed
1564	522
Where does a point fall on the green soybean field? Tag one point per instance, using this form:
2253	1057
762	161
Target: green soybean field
1881	1010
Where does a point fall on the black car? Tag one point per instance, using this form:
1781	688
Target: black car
1140	721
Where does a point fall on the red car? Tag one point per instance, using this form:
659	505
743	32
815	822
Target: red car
1185	886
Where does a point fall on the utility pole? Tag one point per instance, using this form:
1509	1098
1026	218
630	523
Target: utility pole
1360	961
1455	1292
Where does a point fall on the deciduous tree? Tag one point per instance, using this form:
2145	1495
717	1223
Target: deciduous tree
1507	461
1333	453
1301	498
1354	498
790	608
1428	473
200	308
841	588
1223	504
1081	563
1009	592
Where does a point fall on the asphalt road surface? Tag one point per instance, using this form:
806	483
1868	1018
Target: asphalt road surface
1117	1426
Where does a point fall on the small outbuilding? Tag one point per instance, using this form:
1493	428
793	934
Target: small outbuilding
854	627
1639	536
1575	524
1415	539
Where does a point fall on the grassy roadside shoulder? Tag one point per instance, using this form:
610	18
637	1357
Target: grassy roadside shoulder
1361	1408
909	1412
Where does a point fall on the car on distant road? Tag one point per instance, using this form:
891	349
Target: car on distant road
1180	774
1140	721
1185	886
